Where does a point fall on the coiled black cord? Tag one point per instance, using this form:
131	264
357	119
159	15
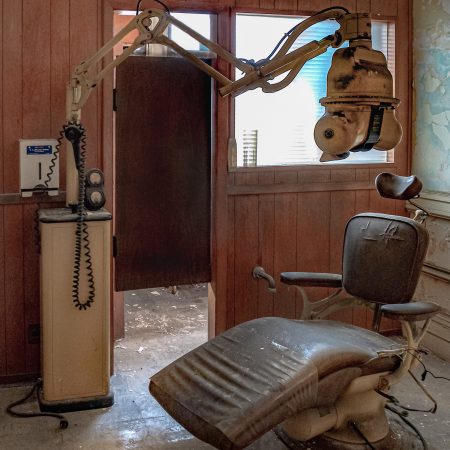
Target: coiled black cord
55	157
48	178
82	244
63	422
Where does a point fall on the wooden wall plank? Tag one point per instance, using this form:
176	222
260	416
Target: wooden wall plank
3	319
105	88
106	115
31	284
349	4
314	176
285	251
267	4
312	6
286	5
361	316
313	239
266	235
1	101
383	7
286	177
342	209
220	219
342	175
246	258
230	279
60	73
12	87
246	179
362	174
14	291
247	4
363	6
36	69
36	124
83	43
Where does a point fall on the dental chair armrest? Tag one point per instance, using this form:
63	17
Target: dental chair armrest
411	312
312	279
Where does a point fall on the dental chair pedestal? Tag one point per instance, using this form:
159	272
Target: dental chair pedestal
75	342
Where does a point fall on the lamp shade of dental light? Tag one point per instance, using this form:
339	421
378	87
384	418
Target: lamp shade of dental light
359	106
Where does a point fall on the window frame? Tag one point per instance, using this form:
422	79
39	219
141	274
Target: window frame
387	165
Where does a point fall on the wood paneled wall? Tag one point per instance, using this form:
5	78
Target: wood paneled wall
41	41
293	220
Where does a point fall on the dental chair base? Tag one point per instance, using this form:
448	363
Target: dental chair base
399	437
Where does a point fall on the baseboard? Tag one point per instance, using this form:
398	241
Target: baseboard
21	378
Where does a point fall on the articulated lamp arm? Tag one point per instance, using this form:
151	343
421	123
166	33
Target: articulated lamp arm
359	107
151	25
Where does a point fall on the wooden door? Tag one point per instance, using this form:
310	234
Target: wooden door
163	173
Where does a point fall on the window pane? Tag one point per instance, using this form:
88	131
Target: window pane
198	22
278	128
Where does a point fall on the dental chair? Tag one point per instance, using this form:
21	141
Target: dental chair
321	384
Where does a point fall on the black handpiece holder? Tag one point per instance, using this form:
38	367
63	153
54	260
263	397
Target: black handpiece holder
74	134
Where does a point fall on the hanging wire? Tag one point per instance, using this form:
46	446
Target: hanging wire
138	6
257	64
410	424
425	370
357	430
63	422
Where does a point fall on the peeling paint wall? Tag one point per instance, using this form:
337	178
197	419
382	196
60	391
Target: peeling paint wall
431	152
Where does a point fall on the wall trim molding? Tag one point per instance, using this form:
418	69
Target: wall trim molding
436	272
435	203
436	277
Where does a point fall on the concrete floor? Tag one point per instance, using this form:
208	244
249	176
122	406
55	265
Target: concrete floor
159	328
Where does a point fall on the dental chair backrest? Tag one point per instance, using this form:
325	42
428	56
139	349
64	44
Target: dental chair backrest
383	257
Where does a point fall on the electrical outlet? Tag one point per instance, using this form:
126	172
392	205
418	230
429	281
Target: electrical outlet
34	333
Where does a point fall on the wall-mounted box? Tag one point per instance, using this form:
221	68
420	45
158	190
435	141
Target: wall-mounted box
39	166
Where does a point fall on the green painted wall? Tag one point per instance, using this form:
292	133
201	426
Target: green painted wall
431	152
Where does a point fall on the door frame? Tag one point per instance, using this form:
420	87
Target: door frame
219	166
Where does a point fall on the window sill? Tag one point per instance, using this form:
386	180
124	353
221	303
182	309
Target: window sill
313	166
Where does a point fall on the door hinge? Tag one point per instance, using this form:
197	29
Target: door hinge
114	99
114	246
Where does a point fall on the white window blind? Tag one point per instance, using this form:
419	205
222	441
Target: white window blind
278	128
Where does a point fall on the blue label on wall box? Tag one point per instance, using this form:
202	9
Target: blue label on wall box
39	150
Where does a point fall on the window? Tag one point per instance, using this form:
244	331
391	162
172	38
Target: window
198	22
277	129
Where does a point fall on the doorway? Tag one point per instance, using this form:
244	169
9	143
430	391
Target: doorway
162	190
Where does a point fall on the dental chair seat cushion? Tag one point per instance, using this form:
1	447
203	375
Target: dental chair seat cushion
244	382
